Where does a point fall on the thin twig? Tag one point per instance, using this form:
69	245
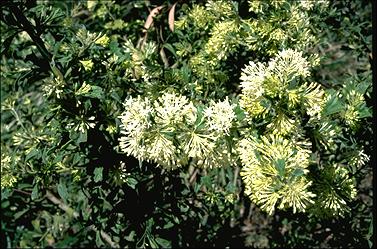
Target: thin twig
107	238
26	25
250	211
29	28
193	176
163	57
61	204
223	180
82	12
204	174
162	38
236	176
21	191
75	214
331	48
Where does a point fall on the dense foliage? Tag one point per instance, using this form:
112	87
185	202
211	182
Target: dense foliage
189	123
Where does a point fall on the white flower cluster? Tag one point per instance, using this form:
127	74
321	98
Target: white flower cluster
172	109
220	116
252	78
287	65
171	131
137	119
308	4
82	124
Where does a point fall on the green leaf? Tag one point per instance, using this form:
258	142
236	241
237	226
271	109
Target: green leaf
31	154
62	190
19	214
204	220
297	173
99	241
76	158
176	220
98	174
199	119
169	47
184	208
34	193
280	166
206	181
107	205
83	137
115	96
333	105
5	204
36	224
370	244
168	225
131	236
95	92
153	243
186	73
131	182
168	134
370	230
67	242
5	193
85	214
58	158
240	114
365	112
163	243
370	233
114	47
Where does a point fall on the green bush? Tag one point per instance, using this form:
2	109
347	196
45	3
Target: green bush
186	124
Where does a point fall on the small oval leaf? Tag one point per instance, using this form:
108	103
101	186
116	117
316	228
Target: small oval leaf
62	191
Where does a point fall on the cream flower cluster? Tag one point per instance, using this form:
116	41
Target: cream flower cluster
274	172
335	190
172	132
289	64
276	80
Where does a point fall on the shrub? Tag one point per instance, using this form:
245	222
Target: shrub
137	125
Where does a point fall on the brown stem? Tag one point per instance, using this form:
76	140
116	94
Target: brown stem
236	175
29	28
250	211
75	214
21	191
61	204
222	174
193	176
25	25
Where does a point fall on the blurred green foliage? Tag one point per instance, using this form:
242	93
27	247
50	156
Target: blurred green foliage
66	68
